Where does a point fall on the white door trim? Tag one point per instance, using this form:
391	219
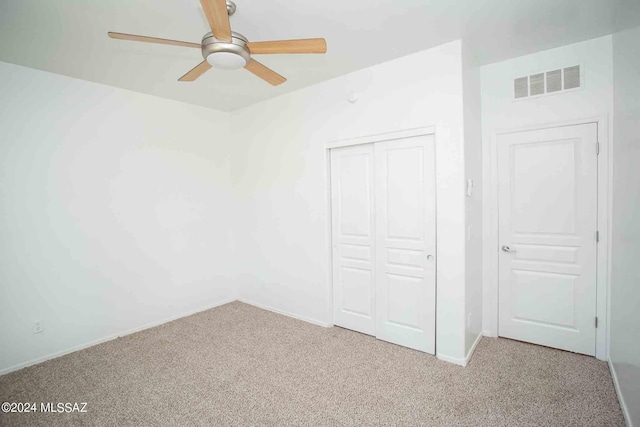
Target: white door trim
365	139
490	247
387	136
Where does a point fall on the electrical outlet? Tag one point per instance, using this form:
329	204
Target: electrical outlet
38	327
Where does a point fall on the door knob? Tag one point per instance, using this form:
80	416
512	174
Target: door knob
506	248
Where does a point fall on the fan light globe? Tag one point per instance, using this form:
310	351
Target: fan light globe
226	60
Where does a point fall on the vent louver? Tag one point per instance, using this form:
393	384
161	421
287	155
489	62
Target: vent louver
536	84
572	77
549	82
521	87
554	81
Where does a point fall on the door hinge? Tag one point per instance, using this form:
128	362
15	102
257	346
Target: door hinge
596	321
597	236
597	148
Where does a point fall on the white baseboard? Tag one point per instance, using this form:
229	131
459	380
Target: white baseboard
625	411
110	337
462	361
286	313
472	349
455	360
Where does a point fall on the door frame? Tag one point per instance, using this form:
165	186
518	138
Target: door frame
365	139
491	237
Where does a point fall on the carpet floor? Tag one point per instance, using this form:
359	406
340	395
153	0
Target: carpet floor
240	365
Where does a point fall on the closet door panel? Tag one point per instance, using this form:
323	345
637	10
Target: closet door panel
353	227
405	242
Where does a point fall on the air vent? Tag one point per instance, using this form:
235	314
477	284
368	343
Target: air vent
549	82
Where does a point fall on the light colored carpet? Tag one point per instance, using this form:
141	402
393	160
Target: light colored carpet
240	365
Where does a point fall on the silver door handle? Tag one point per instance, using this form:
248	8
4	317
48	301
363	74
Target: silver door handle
506	248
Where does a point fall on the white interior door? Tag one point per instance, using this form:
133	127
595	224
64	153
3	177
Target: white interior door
405	242
352	201
547	192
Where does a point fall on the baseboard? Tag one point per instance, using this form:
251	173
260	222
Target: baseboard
110	337
286	313
462	361
455	360
472	349
625	411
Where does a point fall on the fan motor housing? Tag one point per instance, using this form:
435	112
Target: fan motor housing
237	45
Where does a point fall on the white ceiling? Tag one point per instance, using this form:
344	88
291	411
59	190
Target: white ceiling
70	37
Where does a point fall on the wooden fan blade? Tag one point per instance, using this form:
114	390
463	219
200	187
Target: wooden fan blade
218	17
133	37
265	73
196	72
289	46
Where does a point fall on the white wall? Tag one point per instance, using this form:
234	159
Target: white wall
501	112
114	212
473	203
280	172
624	350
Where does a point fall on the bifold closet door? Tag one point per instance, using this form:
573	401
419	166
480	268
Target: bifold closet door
352	205
405	242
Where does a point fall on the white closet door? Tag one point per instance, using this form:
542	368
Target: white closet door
405	241
352	200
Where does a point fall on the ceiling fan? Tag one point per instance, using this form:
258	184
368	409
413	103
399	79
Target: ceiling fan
223	48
